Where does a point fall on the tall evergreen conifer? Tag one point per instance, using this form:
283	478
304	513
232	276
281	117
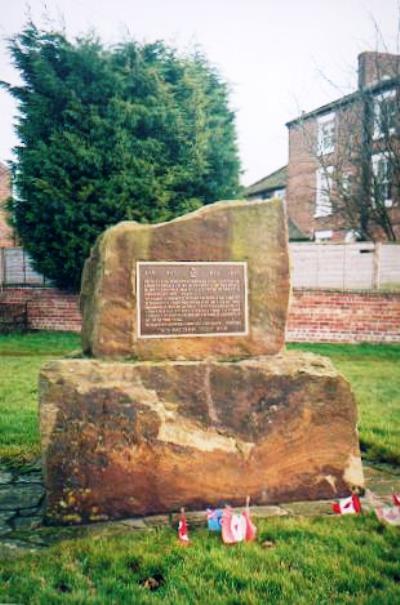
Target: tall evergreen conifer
134	132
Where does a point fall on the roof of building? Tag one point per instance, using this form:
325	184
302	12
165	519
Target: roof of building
275	180
343	101
324	108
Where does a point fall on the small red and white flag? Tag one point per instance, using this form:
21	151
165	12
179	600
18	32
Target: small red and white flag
396	499
233	526
347	506
251	529
183	535
238	527
389	514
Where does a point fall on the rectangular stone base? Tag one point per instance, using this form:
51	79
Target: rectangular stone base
123	439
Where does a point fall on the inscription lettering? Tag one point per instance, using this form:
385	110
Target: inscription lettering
191	299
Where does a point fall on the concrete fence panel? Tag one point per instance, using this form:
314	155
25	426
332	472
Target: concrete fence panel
361	266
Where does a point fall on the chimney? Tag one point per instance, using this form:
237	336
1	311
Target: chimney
375	67
362	59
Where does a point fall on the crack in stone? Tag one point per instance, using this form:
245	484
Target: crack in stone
177	429
212	412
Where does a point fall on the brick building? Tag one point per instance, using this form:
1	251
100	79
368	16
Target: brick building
345	155
272	185
6	234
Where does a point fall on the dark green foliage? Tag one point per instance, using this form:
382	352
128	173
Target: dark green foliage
135	132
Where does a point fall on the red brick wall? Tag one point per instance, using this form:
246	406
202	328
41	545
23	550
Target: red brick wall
329	316
374	67
315	315
301	188
48	308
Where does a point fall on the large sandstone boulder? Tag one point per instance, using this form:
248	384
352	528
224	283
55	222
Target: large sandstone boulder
253	233
122	439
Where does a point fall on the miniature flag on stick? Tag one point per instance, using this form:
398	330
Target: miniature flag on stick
238	527
396	499
233	526
251	529
389	514
214	518
347	506
183	529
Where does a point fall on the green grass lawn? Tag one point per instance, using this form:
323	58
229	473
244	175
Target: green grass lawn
373	370
374	374
313	561
21	356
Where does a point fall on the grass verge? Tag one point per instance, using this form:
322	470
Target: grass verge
373	371
324	561
21	357
374	374
337	560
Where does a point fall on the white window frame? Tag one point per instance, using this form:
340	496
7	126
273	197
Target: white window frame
376	159
347	182
323	203
325	147
351	236
323	236
378	98
280	193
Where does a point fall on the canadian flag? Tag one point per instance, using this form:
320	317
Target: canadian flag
347	506
238	527
251	529
390	514
183	529
233	527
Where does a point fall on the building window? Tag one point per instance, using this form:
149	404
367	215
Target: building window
323	236
323	203
279	193
351	236
345	186
347	183
382	180
326	134
385	114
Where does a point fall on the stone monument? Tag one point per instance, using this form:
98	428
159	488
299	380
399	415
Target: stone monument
187	396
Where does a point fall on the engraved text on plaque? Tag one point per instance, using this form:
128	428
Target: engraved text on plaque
191	299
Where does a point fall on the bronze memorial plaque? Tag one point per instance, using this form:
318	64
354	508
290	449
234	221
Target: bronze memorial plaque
191	299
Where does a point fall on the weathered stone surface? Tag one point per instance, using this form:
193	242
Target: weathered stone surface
13	497
263	512
226	231
28	522
5	477
5	519
309	509
122	439
31	477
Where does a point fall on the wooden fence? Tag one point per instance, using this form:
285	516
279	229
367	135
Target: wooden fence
362	266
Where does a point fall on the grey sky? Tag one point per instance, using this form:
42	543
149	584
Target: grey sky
274	53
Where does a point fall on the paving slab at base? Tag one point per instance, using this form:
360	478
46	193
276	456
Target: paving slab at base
125	439
21	496
45	536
